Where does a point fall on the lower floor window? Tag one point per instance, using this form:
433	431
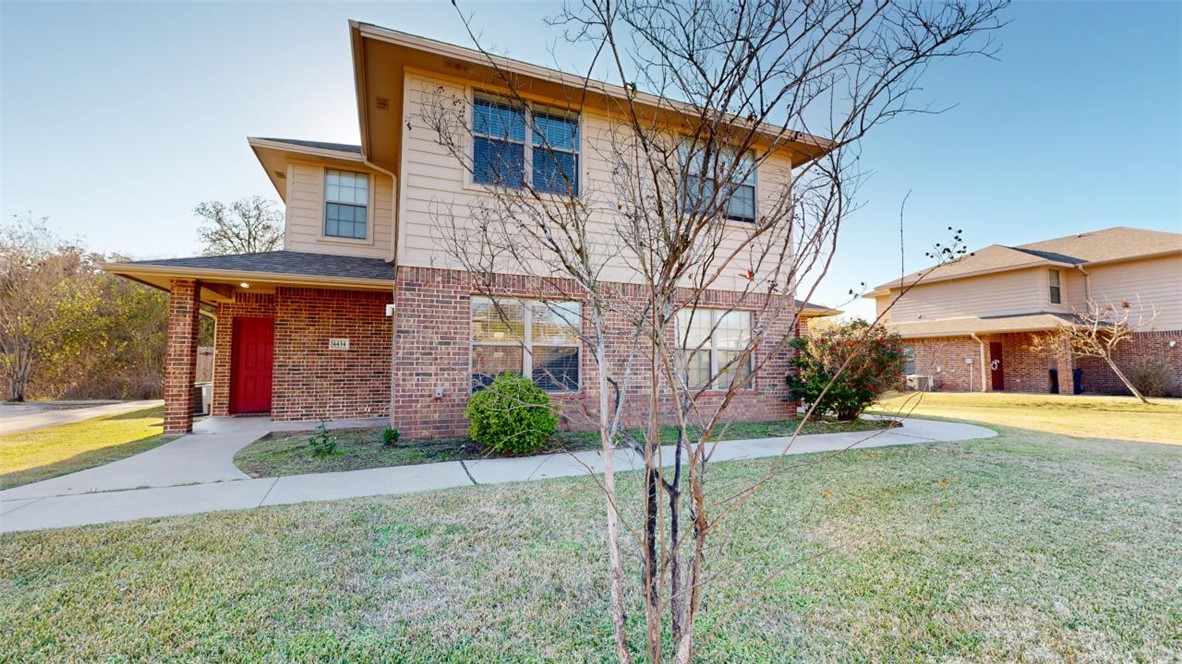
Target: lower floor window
716	346
534	338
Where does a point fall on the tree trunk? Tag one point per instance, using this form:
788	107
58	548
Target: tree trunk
1121	375
615	564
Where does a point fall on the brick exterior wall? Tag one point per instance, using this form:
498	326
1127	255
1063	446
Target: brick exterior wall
433	351
1028	370
309	381
1098	377
180	360
943	359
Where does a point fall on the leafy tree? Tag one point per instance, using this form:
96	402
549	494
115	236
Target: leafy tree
248	225
846	367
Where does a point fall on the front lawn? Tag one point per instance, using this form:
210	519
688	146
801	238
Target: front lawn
358	449
1119	418
1025	547
40	454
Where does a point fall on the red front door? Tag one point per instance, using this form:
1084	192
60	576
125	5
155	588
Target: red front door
250	373
997	372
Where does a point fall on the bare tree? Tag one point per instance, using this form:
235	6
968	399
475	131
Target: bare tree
664	242
1097	331
246	226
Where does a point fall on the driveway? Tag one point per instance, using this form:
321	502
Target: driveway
196	473
16	417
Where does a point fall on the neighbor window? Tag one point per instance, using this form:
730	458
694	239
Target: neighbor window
908	360
346	204
1056	294
714	342
534	338
702	180
514	144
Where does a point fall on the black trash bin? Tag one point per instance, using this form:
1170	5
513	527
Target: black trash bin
1077	381
1054	381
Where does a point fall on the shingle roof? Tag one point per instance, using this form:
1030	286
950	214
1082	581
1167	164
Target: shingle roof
287	262
955	327
340	147
1110	244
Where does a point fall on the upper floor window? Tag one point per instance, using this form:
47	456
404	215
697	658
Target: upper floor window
526	337
1056	293
714	342
346	201
514	144
735	175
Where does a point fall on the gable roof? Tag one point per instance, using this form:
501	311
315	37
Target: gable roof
1119	243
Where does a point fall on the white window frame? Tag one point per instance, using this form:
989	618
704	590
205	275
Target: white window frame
528	144
1054	283
716	383
369	205
526	344
688	145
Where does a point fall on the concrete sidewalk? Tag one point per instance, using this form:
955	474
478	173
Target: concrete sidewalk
35	507
36	415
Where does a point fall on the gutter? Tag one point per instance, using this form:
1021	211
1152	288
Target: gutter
981	343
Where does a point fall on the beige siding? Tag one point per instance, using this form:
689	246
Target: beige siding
881	312
437	197
1018	292
1151	284
304	228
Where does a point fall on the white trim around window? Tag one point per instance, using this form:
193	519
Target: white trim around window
711	339
333	202
535	338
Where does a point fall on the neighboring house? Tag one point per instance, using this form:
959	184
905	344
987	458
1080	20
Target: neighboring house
362	314
985	310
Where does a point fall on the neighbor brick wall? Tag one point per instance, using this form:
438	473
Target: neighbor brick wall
942	358
433	351
180	360
1098	377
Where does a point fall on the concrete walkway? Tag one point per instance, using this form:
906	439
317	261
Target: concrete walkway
36	415
196	473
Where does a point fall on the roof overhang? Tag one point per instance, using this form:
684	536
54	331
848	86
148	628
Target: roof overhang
970	325
275	156
381	56
221	285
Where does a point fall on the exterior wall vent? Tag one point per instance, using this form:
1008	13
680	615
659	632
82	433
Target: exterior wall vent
383	104
280	174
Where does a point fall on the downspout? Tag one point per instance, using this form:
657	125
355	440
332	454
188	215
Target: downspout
1087	284
981	343
392	310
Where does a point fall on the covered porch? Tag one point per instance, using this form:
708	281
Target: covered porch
298	336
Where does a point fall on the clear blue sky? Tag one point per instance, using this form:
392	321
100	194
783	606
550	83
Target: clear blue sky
118	119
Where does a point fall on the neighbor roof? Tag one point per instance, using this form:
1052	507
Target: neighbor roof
283	262
1104	246
955	327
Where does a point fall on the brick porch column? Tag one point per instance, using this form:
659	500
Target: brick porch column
1066	360
180	360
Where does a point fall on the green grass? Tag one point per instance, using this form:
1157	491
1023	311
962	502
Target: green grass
1026	547
1118	418
41	454
358	449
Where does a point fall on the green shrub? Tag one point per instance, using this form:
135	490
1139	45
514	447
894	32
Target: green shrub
511	416
1151	376
390	436
323	442
875	366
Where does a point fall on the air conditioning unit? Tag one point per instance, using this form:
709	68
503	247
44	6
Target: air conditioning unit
918	383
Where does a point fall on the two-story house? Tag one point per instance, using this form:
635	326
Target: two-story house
364	313
970	325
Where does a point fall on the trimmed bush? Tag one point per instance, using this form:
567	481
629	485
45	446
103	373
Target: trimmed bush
875	366
390	436
511	416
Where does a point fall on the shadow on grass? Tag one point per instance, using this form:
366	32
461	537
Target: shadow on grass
138	414
83	461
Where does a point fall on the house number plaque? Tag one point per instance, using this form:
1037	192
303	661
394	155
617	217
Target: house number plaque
338	344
